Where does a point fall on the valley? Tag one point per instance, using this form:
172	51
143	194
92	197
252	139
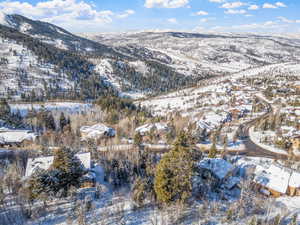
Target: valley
149	128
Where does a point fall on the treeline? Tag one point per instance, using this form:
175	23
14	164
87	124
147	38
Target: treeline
118	108
159	78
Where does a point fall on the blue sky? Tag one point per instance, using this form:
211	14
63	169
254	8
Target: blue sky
266	16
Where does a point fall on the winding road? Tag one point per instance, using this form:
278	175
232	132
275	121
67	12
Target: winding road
253	149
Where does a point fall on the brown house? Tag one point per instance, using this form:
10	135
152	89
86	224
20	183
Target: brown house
277	181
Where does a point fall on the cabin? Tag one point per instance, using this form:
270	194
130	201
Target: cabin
16	138
96	131
46	162
219	168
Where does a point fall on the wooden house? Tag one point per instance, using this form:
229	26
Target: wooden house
277	181
273	181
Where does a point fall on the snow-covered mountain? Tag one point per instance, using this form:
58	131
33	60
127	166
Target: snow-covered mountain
39	58
51	34
87	67
194	53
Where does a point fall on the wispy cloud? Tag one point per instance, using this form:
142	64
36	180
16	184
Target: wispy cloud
233	11
217	1
172	20
166	3
285	20
253	7
274	6
201	13
126	13
232	5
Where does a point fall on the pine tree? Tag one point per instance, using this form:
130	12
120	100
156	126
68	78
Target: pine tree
69	168
173	178
213	151
4	109
49	122
62	121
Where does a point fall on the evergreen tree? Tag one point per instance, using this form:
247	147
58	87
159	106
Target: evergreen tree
4	109
65	172
62	121
173	178
49	121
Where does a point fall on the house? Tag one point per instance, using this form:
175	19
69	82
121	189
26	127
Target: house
46	162
272	181
219	168
96	131
157	130
218	172
157	127
277	180
11	137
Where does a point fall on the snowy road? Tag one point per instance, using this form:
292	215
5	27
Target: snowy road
252	148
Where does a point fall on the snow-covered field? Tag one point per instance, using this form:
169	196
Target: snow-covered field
66	107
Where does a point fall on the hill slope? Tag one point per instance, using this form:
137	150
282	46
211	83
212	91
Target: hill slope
194	53
91	68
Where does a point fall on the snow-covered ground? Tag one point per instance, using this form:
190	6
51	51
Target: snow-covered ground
200	53
31	72
66	107
257	138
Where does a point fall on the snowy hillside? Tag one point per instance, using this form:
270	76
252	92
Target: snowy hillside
94	67
49	61
198	53
22	71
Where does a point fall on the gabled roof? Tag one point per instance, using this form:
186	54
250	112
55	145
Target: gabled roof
15	136
275	178
218	167
147	127
46	162
97	130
